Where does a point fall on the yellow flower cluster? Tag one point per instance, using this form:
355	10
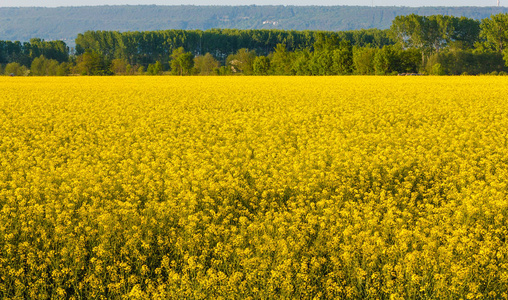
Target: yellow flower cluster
254	188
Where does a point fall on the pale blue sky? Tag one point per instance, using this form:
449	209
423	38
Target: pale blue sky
53	3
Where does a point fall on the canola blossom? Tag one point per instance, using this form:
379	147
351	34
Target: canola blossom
254	188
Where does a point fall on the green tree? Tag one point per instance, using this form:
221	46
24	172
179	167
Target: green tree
181	62
44	67
261	65
343	59
439	31
437	69
155	69
458	62
281	60
386	60
495	31
92	63
301	62
324	42
129	70
38	67
63	69
52	67
15	69
429	34
119	66
56	50
410	31
409	61
206	64
241	62
321	63
466	32
363	60
224	70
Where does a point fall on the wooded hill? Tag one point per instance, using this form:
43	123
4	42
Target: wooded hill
64	23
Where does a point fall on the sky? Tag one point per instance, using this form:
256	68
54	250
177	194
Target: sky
55	3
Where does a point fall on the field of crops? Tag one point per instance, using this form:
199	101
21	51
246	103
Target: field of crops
254	187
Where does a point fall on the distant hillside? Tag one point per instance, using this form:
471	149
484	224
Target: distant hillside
64	23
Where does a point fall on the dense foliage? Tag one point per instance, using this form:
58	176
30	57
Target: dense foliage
253	188
435	44
25	53
147	47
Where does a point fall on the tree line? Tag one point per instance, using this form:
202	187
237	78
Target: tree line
435	44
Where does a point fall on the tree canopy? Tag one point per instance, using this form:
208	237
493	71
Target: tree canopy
435	44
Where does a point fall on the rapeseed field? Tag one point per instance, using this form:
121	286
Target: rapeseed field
254	188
